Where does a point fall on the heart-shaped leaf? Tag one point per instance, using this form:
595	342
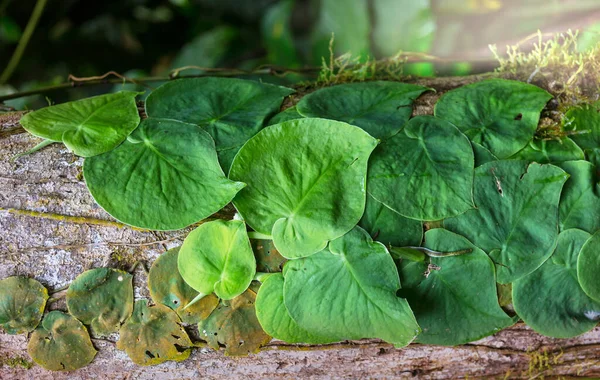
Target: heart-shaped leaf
501	115
380	108
164	177
153	335
516	220
580	199
230	110
348	291
550	300
482	154
61	343
101	298
22	303
217	257
588	265
306	182
87	127
550	152
456	302
425	171
167	287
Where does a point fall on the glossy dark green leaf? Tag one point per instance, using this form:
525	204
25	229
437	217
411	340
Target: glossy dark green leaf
380	108
164	177
154	335
580	199
588	266
424	172
230	110
389	227
499	114
550	152
348	291
289	114
268	258
234	325
87	127
550	300
455	303
306	182
217	257
101	298
167	287
22	303
516	220
61	343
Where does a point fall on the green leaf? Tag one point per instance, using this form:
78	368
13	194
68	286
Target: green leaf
61	343
275	318
456	303
164	177
230	110
289	114
234	324
268	258
516	220
580	199
380	108
306	182
217	257
584	122
588	265
87	127
550	300
154	335
425	171
389	227
277	35
348	291
206	50
482	155
10	31
499	114
167	287
101	298
550	152
22	303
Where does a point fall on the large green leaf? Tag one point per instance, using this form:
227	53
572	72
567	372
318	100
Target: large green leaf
425	171
87	127
164	177
61	343
217	257
580	199
153	335
380	108
167	287
230	110
274	316
22	303
550	152
499	114
482	154
550	300
389	227
348	291
289	114
456	303
516	220
588	266
234	325
101	298
306	182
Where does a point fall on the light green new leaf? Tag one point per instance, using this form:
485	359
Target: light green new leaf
580	199
458	302
230	110
167	287
389	227
348	291
550	152
154	335
424	172
217	257
22	303
550	300
380	108
164	177
61	343
516	220
306	182
289	114
588	266
87	127
101	298
501	115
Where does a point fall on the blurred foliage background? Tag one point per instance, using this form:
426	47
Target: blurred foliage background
149	38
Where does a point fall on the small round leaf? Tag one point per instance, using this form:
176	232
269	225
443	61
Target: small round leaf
22	303
588	267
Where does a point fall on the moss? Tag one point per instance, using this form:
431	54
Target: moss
16	362
542	362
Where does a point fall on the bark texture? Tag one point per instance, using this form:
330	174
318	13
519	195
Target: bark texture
52	230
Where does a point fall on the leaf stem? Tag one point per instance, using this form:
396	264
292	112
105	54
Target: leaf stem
39	146
418	254
198	298
258	236
261	276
